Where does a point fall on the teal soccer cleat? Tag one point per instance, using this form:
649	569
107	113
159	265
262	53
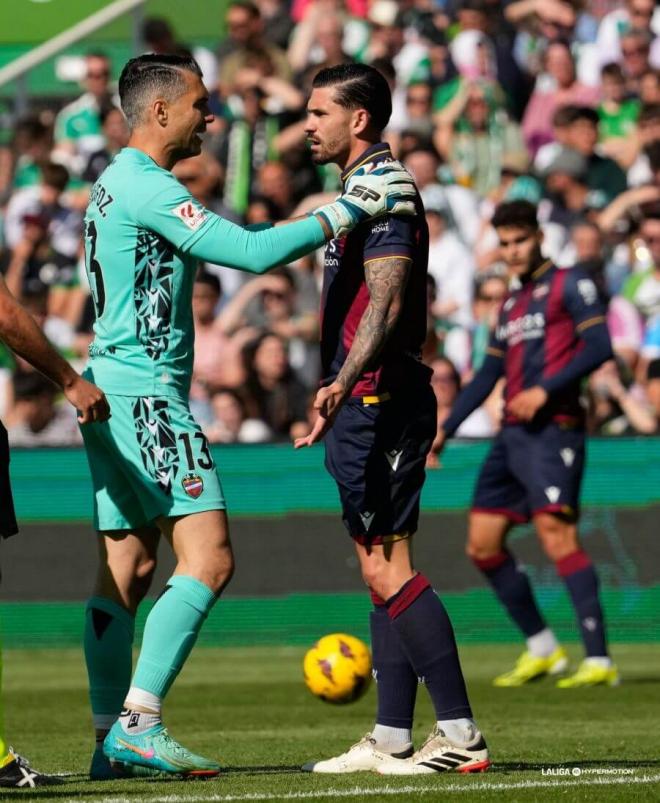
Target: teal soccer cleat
102	770
155	749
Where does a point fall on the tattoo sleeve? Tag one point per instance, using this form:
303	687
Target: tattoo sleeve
386	280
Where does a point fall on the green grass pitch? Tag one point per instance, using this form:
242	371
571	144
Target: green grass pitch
249	708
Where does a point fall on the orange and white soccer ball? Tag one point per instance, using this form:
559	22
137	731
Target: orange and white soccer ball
338	668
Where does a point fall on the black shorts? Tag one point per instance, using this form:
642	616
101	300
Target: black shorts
8	524
532	470
376	454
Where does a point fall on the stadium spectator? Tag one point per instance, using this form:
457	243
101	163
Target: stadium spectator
446	382
159	37
36	419
20	163
247	44
272	393
475	135
618	110
45	200
451	265
635	57
603	174
78	131
556	86
229	423
115	132
217	360
466	346
617	406
461	204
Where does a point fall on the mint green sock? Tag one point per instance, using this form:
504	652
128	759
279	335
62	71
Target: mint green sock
170	633
108	643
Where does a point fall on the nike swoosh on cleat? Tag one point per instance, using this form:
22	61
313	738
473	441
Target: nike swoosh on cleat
150	753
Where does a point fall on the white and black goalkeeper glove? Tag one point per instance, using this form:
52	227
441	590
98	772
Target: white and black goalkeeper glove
372	191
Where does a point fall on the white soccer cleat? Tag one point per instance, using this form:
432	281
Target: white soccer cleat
362	757
440	754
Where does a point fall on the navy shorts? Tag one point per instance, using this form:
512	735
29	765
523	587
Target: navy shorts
376	454
532	470
8	524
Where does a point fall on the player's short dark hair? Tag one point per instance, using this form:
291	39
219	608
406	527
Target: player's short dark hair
359	86
206	277
148	76
516	213
584	113
54	175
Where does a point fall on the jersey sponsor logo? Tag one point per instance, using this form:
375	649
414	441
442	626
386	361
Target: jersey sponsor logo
366	519
381	227
587	289
527	327
553	493
193	485
568	456
193	216
393	458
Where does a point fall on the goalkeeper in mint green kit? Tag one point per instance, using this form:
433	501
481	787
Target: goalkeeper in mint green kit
151	467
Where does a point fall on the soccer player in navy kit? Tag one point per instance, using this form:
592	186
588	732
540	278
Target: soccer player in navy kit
551	334
377	413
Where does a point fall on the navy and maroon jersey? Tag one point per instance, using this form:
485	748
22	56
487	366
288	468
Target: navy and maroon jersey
345	295
538	335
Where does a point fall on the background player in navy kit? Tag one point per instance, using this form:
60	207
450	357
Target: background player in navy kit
377	412
19	331
550	335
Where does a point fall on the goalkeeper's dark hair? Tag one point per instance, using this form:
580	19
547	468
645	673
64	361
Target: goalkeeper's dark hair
150	76
516	213
359	86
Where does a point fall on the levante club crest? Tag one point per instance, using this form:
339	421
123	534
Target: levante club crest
193	485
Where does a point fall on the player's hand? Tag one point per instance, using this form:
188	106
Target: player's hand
433	457
89	401
526	404
327	403
372	191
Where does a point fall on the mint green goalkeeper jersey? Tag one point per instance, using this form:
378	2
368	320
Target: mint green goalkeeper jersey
144	235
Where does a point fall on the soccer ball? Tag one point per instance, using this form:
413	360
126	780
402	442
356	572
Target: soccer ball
338	668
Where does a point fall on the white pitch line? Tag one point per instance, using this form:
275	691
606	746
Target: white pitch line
356	792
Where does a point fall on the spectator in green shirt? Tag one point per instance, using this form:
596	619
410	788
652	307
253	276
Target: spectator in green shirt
617	113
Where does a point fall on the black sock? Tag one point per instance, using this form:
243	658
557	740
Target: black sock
511	584
396	680
577	571
421	621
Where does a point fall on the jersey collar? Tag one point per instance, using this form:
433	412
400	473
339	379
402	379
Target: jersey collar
542	269
373	152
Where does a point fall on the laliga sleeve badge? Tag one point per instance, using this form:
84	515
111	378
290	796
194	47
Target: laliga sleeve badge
193	485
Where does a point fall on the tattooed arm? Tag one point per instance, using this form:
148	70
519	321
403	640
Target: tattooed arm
386	280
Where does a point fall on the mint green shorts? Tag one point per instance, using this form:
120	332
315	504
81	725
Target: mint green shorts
149	459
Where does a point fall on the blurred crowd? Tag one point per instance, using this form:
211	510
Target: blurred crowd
552	101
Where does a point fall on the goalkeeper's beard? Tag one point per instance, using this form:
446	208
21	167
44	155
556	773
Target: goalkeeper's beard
327	153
